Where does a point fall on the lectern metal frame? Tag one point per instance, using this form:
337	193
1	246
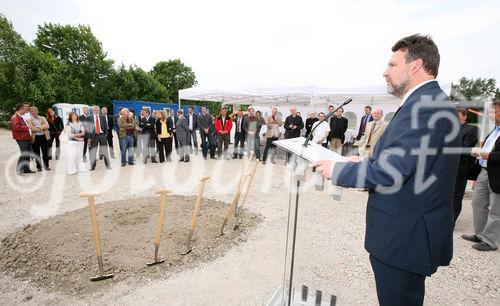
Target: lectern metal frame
285	295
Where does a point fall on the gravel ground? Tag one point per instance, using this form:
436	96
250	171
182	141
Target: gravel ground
330	254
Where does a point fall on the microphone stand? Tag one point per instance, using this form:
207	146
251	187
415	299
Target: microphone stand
310	136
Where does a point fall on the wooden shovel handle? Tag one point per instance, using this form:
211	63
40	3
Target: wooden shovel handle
198	202
95	228
249	184
159	226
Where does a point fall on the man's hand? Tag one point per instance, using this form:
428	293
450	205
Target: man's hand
354	158
485	155
324	167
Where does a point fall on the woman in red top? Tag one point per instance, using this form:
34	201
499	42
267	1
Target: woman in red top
223	126
22	134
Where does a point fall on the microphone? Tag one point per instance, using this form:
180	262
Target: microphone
310	136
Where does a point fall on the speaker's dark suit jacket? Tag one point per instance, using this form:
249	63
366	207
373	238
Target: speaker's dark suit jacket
411	226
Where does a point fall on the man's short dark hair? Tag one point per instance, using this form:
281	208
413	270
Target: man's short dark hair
321	113
369	107
462	111
190	107
420	47
20	105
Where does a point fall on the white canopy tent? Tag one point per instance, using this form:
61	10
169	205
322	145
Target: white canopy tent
308	95
307	99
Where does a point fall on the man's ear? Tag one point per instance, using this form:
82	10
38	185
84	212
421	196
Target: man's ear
416	65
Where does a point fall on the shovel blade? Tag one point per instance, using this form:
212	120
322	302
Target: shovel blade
101	277
155	263
187	251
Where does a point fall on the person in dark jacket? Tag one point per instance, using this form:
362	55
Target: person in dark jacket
486	198
469	134
338	127
309	123
56	126
204	122
110	121
293	126
147	126
364	121
183	134
97	133
239	136
84	118
409	216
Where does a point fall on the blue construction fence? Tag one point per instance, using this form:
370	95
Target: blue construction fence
153	106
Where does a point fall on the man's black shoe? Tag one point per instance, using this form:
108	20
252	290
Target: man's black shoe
483	246
28	171
123	164
472	238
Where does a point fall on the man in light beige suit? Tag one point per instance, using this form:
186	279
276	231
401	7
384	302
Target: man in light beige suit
373	131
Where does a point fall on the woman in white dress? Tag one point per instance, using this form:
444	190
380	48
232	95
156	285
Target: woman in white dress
75	133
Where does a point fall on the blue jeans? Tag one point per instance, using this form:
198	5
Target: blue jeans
207	143
253	142
127	144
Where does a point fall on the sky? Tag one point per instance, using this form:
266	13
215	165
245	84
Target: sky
278	43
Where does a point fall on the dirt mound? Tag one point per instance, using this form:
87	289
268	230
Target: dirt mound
59	253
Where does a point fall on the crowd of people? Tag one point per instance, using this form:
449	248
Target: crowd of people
149	135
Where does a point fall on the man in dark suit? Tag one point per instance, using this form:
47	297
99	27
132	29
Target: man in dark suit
148	137
84	119
97	132
486	198
182	132
364	121
469	135
193	126
110	122
410	177
239	136
338	126
293	125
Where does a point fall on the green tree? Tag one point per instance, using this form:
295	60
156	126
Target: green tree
475	90
474	93
81	52
12	48
174	75
37	78
130	84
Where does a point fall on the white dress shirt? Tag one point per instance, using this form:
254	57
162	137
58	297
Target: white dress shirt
413	90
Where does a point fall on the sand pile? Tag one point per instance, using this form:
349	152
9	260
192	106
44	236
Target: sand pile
59	253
